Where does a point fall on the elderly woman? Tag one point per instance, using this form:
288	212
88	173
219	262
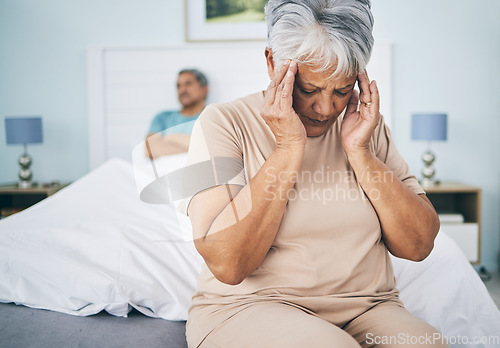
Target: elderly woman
309	196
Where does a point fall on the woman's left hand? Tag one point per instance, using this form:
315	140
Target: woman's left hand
358	124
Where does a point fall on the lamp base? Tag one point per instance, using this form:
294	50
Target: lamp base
24	184
428	172
25	173
429	182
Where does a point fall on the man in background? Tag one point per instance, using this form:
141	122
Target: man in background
170	131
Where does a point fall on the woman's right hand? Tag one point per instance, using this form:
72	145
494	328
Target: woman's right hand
278	109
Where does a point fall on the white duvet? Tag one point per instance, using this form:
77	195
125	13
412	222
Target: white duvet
96	246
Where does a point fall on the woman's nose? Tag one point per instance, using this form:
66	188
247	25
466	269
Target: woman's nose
324	106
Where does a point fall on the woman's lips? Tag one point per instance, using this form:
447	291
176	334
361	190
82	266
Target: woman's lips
316	122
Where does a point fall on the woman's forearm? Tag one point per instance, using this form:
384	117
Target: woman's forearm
234	234
409	222
242	234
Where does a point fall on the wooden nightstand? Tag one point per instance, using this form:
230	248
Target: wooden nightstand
14	199
464	201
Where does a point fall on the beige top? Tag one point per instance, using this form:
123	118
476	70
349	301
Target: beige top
328	257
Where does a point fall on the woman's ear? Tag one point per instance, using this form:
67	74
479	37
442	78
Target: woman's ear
270	62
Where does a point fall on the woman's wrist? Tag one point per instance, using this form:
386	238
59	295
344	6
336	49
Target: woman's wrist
290	157
359	157
293	146
291	150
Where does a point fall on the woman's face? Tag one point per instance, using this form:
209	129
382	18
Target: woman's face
318	100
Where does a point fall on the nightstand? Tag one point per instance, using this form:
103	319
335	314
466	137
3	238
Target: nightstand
14	199
459	207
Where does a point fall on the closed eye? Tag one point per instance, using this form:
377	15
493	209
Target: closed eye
305	91
341	94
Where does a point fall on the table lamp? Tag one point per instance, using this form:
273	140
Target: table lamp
24	130
429	127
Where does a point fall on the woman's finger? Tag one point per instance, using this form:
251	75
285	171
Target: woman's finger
270	93
364	87
275	82
281	73
287	92
375	97
278	78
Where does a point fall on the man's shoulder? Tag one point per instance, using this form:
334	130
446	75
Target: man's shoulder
167	113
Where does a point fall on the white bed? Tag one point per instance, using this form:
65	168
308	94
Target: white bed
96	246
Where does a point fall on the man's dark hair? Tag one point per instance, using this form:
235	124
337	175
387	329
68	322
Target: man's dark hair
198	74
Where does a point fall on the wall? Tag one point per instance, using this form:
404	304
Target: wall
42	69
446	56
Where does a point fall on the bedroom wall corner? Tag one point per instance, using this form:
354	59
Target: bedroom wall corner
43	70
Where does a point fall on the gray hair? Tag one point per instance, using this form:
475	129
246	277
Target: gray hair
197	74
321	33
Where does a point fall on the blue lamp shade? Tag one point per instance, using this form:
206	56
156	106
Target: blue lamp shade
23	130
429	127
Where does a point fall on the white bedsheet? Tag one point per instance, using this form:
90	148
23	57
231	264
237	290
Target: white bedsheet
96	246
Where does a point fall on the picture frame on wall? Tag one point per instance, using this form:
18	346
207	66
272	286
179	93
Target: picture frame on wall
225	20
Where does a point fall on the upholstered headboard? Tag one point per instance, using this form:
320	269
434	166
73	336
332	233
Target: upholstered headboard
127	86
